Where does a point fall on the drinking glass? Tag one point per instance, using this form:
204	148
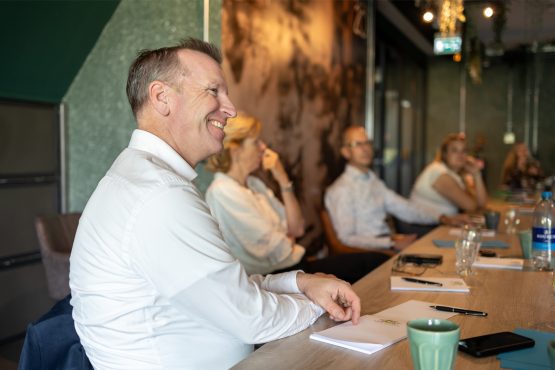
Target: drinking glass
466	249
511	220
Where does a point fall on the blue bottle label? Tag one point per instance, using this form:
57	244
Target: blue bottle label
543	238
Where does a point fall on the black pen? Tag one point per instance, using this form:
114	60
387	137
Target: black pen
418	281
459	310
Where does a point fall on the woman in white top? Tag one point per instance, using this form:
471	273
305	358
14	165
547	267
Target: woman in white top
257	226
453	181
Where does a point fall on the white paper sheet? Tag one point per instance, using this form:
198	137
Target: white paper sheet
375	332
449	285
499	263
455	231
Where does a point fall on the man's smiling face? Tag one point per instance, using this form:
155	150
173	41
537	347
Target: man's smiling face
199	107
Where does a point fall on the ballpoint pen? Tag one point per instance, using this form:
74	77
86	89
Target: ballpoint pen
418	281
459	310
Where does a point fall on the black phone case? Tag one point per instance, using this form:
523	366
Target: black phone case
492	344
422	259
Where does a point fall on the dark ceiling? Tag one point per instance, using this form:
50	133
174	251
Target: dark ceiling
526	21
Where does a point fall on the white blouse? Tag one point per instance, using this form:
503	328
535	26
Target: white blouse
253	224
424	193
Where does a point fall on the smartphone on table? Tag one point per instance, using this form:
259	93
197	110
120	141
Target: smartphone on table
492	344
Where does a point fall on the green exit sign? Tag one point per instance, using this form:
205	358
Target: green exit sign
447	45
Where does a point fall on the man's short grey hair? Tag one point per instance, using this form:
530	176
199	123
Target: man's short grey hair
162	65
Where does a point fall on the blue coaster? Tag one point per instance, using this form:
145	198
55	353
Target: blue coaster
485	244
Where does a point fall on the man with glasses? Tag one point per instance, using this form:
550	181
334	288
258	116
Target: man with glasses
359	202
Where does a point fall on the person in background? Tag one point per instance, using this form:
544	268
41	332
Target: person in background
259	228
520	170
153	284
358	201
453	181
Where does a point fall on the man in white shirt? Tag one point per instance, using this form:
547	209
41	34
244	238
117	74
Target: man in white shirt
358	201
153	284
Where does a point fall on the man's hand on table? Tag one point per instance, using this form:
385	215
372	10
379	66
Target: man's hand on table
333	295
401	241
455	220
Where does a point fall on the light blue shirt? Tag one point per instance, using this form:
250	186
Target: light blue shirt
359	202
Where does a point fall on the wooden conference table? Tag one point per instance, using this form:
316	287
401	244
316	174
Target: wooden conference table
512	299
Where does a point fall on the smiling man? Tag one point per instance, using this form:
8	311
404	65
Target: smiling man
154	286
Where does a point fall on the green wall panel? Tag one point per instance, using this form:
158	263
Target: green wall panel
44	44
100	122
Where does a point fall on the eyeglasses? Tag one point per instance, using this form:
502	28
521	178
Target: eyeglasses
410	268
356	144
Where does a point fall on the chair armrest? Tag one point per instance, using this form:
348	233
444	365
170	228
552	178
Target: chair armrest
337	247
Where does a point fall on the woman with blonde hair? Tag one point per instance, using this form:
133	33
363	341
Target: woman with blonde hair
520	170
259	229
453	181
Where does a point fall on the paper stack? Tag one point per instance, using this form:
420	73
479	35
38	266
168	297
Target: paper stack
499	263
457	231
447	284
375	332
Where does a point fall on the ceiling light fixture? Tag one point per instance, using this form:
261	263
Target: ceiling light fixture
488	11
428	16
452	11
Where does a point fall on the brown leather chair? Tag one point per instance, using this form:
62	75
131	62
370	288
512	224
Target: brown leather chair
336	246
56	234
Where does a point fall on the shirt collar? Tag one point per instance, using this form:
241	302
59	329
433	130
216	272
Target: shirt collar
150	143
355	173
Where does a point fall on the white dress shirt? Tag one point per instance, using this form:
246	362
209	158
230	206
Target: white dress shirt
153	284
253	223
423	192
358	203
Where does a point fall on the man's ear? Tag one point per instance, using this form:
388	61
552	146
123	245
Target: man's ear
158	97
346	153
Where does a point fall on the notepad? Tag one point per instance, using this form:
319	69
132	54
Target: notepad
458	232
448	285
378	331
526	210
499	263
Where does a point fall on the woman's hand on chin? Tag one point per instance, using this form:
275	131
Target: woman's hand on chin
473	165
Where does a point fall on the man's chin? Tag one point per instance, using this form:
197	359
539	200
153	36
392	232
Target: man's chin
217	147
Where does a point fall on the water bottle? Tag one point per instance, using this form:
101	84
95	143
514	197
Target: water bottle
543	233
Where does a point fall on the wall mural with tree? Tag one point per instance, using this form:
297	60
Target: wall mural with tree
299	66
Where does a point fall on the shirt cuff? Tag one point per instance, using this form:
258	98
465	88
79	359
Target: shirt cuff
384	242
318	311
284	283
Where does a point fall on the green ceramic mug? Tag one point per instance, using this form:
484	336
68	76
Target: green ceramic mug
433	343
